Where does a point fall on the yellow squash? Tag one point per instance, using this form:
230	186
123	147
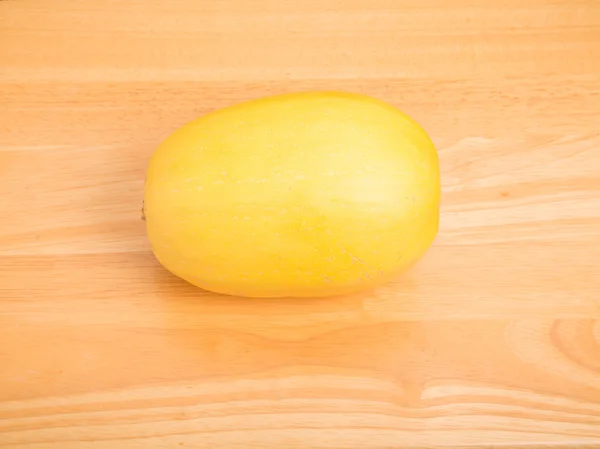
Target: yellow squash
303	194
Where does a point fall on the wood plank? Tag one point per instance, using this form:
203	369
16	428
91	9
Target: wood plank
492	340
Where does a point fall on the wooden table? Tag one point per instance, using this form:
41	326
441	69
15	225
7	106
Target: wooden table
492	339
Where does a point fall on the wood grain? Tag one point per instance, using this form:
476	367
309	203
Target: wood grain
493	339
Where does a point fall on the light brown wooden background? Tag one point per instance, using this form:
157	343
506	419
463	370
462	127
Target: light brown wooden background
494	338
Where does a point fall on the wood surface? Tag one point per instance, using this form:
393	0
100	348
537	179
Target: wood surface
493	339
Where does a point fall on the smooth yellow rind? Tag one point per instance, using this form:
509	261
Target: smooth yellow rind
304	194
